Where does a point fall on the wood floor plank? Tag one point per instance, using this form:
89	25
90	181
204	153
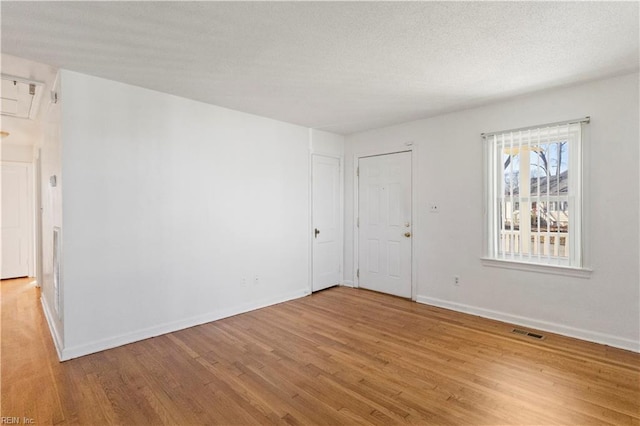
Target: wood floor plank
340	356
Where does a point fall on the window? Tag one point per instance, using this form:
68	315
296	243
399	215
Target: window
534	194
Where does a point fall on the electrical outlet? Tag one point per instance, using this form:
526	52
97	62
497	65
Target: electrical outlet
244	281
256	280
433	208
456	280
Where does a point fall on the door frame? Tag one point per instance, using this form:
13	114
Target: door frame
340	159
37	205
414	210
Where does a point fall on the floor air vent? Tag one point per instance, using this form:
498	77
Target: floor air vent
527	333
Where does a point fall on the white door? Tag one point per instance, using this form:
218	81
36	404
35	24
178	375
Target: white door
327	241
16	226
384	232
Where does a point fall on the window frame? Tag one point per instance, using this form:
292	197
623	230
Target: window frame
493	172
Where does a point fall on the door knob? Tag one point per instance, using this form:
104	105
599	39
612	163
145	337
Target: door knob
316	232
407	234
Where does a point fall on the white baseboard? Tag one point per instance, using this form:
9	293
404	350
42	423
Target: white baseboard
347	283
124	339
591	336
57	339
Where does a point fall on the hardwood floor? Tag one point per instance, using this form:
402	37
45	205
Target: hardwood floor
341	356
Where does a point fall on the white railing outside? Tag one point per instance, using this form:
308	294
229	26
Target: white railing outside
552	244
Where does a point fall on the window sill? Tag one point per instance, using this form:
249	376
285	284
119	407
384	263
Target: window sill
537	267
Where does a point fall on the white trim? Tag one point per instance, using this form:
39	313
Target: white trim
310	230
32	231
37	216
568	271
57	339
414	222
578	333
409	147
325	153
348	283
356	212
170	327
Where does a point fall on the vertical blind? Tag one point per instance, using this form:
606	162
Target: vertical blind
534	193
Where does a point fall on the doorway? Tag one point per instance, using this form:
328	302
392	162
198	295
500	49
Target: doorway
16	220
327	222
384	223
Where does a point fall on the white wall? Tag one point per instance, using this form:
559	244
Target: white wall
174	213
49	151
327	143
17	153
603	308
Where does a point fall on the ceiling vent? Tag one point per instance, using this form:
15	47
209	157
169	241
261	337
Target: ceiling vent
20	97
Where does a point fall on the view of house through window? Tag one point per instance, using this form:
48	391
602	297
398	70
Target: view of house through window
534	190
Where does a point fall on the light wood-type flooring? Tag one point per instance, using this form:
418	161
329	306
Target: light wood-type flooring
342	356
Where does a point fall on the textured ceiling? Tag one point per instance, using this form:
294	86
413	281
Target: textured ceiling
339	66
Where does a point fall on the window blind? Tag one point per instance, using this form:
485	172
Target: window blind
534	198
